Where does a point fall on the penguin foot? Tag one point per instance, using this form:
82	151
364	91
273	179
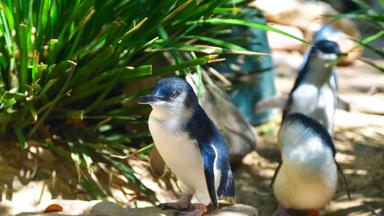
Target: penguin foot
314	212
200	209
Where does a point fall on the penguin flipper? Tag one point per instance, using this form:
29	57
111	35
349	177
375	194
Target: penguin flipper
156	161
208	155
227	185
343	180
275	174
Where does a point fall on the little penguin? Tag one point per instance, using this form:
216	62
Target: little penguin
306	180
190	144
315	92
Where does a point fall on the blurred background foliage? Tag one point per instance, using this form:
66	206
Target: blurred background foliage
369	15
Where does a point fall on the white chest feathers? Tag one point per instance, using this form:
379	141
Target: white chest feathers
180	153
307	178
317	102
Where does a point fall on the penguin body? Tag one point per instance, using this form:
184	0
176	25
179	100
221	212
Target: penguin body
189	142
307	178
315	91
181	155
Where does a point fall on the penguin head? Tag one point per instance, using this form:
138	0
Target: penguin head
173	93
326	50
325	32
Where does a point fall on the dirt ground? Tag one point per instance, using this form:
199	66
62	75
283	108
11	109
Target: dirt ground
359	140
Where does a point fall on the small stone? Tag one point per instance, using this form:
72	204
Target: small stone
236	210
106	208
53	208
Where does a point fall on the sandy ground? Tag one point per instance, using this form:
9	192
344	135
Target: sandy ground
359	139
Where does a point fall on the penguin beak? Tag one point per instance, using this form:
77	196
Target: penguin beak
149	99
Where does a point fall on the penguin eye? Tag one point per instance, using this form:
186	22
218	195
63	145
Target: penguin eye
173	94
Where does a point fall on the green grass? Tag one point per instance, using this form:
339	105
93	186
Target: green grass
66	65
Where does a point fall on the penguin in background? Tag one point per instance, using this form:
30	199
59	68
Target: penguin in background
315	90
306	180
188	142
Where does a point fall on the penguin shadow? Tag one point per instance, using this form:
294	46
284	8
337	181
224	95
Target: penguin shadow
254	175
4	209
360	153
253	189
39	175
367	208
30	174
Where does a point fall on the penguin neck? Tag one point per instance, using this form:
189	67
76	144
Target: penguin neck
165	114
318	72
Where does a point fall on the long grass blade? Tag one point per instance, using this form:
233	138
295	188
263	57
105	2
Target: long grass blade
20	136
228	21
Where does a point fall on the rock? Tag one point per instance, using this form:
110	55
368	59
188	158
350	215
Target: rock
106	208
236	210
281	42
238	133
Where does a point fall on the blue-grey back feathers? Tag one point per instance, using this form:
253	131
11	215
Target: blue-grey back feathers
314	126
211	142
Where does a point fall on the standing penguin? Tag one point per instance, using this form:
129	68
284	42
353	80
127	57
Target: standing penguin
307	177
314	93
190	145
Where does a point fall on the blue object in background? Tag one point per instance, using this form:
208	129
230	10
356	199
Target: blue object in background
252	76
